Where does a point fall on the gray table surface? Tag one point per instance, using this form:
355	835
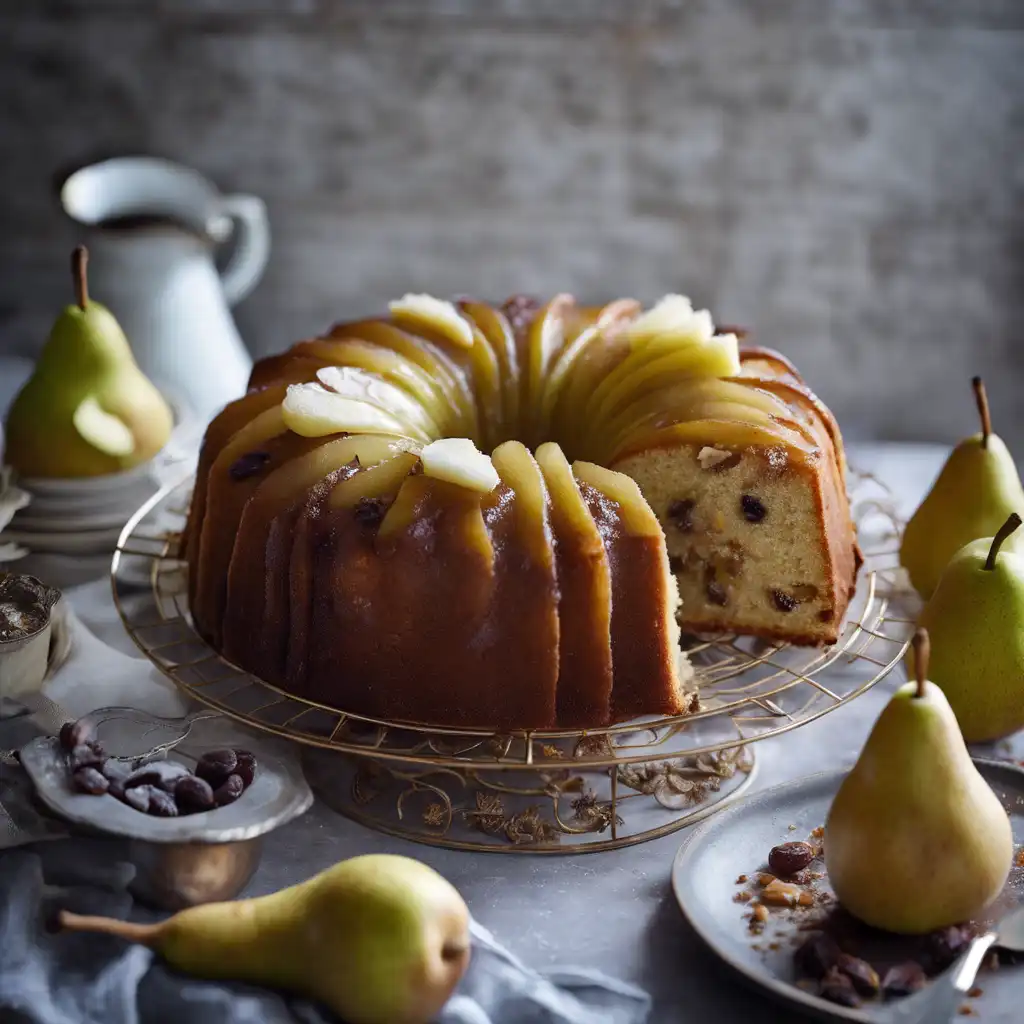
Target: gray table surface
613	911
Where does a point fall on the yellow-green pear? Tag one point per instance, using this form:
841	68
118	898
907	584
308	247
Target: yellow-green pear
976	617
378	939
915	839
88	409
976	490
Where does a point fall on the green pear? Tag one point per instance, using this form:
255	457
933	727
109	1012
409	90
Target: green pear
915	839
88	409
976	616
976	490
378	939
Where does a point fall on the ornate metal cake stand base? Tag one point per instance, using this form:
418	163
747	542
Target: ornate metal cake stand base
561	810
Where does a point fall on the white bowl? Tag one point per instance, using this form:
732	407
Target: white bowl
95	487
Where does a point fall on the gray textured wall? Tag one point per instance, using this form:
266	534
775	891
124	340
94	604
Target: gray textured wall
846	177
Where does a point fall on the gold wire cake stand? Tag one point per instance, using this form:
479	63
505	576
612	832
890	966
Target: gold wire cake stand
561	791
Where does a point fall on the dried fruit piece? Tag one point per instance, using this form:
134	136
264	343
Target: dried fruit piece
836	987
753	509
193	794
138	797
716	593
789	858
370	511
89	780
248	465
245	766
114	770
816	956
861	973
87	755
216	765
680	512
74	734
229	791
162	804
783	601
784	894
944	946
162	774
904	979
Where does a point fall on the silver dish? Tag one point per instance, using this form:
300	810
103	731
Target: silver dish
736	841
182	861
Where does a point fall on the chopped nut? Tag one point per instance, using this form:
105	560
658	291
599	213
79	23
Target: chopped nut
680	512
1019	859
712	458
789	858
759	913
741	897
765	879
975	993
818	833
791	828
783	601
861	973
741	879
967	1010
784	894
753	509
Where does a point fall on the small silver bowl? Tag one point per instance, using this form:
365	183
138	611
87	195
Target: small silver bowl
185	861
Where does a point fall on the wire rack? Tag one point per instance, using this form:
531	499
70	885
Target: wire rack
551	791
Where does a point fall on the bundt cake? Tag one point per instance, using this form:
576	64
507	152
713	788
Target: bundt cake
350	541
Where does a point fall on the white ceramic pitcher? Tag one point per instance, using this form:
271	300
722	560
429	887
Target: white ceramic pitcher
151	227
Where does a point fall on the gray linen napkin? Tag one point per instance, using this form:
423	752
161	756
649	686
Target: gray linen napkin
48	978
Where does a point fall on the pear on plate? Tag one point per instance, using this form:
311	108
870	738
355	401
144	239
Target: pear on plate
915	839
976	490
88	409
378	939
976	617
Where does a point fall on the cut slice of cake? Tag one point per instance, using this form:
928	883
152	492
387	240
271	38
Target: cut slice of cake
646	656
585	599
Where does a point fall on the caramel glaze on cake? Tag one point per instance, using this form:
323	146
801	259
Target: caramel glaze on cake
338	549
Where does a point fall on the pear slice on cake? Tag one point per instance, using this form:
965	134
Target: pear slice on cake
88	409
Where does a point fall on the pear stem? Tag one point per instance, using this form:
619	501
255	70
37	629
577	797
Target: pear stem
981	397
922	652
79	261
147	934
1011	524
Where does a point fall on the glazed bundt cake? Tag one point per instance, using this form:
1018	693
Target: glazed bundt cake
350	541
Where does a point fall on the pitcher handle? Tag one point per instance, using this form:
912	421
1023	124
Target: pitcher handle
252	245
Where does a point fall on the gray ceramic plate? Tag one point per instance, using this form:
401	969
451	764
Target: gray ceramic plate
737	840
278	794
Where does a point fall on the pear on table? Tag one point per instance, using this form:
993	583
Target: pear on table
88	409
915	839
976	490
378	939
976	616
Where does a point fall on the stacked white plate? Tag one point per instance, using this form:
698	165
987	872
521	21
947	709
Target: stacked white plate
81	516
